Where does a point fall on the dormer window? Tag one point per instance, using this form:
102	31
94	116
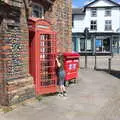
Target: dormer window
93	12
108	12
37	10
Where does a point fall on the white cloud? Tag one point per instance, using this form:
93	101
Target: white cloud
74	6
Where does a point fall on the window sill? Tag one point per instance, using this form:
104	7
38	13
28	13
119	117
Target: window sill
109	30
93	16
93	30
107	15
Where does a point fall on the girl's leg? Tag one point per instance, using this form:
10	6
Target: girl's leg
60	91
63	88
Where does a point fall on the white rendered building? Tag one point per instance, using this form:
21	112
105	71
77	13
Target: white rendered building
102	19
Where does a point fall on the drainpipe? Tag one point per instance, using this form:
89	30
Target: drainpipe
119	32
119	19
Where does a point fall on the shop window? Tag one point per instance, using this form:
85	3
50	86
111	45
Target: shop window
37	10
106	45
108	25
93	25
103	45
82	44
98	45
93	12
89	45
108	12
115	44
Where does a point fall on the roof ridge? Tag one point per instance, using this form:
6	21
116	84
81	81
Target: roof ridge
93	1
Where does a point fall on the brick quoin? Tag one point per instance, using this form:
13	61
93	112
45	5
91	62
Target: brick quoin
16	84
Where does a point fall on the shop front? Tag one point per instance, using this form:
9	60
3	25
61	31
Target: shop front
79	43
101	43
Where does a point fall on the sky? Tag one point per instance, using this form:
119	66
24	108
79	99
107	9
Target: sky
80	3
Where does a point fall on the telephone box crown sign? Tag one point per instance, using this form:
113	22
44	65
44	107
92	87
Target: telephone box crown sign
37	23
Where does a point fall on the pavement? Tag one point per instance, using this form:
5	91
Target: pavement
102	62
95	96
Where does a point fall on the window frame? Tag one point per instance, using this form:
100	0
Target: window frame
39	7
93	26
108	10
108	25
93	12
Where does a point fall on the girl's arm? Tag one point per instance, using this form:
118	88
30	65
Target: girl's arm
58	63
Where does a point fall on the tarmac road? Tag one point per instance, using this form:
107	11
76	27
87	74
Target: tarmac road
96	96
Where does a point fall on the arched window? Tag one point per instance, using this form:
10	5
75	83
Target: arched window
37	10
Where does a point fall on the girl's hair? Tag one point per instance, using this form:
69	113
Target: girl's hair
61	60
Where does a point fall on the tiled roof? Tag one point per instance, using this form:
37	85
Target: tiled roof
78	11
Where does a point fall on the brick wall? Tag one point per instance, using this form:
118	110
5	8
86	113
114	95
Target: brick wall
15	78
1	63
60	17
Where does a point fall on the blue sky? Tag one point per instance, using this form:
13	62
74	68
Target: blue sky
79	3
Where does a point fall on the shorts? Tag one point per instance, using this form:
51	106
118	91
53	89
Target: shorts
61	77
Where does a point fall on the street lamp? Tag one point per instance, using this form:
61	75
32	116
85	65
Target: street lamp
86	34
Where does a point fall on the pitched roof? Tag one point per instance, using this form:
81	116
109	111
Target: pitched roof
78	11
98	0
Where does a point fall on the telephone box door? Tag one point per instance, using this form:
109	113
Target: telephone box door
47	63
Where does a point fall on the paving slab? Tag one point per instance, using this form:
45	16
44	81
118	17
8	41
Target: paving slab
96	96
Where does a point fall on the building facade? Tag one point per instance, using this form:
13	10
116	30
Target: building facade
102	19
16	84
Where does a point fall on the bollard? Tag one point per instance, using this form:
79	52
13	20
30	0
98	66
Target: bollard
109	65
85	61
95	67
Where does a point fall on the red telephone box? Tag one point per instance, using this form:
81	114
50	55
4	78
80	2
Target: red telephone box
42	49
